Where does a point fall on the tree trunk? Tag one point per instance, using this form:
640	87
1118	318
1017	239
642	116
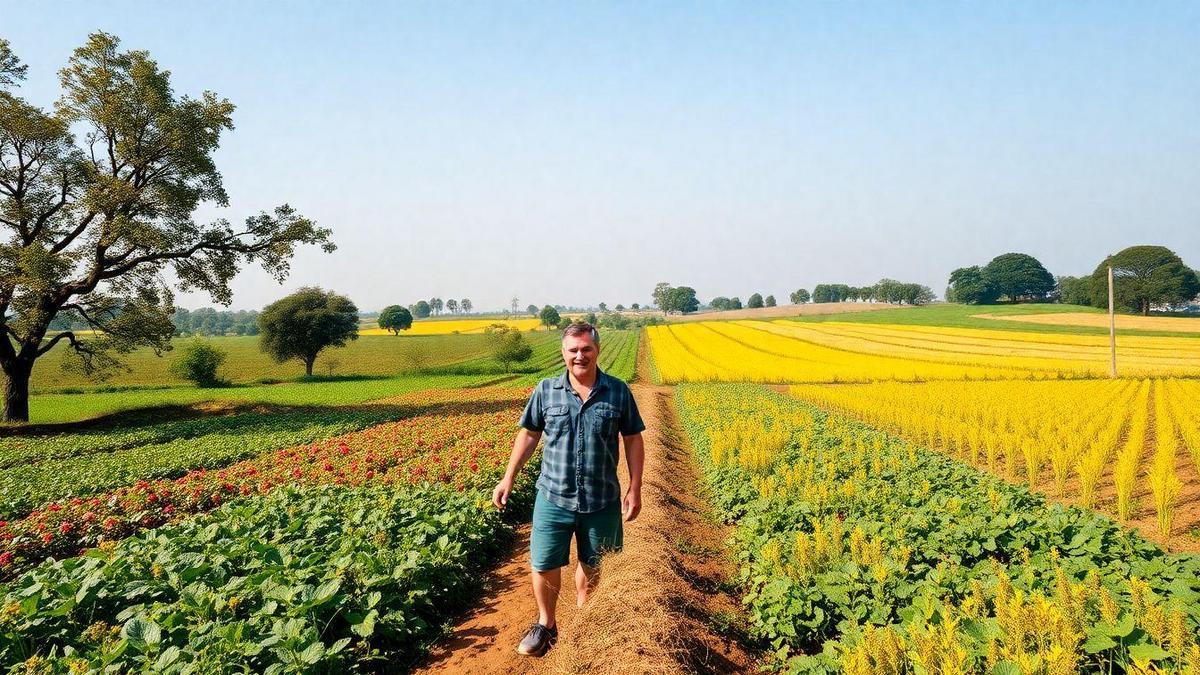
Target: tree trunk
16	393
308	365
1145	308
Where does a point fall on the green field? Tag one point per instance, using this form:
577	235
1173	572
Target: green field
368	355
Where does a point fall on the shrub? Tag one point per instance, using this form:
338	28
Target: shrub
198	363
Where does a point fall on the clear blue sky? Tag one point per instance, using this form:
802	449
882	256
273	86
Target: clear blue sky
582	152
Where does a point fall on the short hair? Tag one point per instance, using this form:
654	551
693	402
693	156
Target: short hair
580	328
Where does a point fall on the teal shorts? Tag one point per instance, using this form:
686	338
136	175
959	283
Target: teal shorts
554	527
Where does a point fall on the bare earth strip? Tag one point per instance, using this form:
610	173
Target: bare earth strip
785	311
657	601
1179	324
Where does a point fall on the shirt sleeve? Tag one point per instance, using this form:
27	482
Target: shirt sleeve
532	419
631	419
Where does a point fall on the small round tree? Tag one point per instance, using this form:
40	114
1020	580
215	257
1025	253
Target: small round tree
300	325
532	309
755	301
509	346
769	301
395	318
550	317
198	363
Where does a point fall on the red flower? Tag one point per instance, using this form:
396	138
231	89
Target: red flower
47	538
6	558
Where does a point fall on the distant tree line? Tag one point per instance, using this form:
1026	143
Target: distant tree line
755	301
213	322
423	309
1143	277
884	290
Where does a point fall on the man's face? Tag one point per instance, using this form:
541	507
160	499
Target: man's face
580	354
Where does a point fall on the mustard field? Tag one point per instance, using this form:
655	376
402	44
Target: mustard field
798	352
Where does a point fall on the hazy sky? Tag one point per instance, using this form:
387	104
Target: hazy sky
581	152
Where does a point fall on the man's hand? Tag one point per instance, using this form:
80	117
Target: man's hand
632	505
500	494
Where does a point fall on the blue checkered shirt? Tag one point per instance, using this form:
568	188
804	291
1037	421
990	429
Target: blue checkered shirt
580	450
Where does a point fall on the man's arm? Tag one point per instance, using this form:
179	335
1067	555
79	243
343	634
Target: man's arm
635	457
523	447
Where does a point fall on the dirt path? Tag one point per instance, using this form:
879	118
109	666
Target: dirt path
660	601
485	640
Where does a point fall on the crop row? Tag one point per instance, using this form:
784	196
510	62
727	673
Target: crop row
315	579
1089	438
467	433
865	553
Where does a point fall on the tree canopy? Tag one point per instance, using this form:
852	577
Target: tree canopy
800	296
395	318
755	301
969	286
550	317
92	226
300	325
1018	276
680	299
1144	276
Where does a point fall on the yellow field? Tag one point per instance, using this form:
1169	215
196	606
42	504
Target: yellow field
1179	324
1102	443
789	351
448	326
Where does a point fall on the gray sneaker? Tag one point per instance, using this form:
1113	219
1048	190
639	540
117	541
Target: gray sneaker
538	640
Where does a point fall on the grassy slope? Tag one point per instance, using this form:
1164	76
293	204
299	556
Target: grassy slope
962	316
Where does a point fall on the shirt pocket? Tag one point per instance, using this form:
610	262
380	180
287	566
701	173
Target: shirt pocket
558	420
605	420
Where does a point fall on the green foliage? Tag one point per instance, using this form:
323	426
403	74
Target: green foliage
671	299
302	324
831	293
941	526
550	317
92	233
88	463
421	309
509	346
1075	290
395	318
1018	276
198	363
532	309
1144	276
969	286
770	301
801	296
755	301
301	580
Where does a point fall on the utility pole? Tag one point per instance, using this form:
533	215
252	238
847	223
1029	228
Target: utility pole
1112	328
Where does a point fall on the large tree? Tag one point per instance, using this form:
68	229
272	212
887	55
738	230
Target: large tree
302	324
801	296
550	317
1144	276
93	226
1018	276
395	318
755	301
969	286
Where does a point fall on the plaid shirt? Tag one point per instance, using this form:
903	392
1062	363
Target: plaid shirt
580	450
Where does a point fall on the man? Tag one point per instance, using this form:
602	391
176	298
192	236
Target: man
580	412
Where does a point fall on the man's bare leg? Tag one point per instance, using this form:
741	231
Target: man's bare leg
545	590
586	579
